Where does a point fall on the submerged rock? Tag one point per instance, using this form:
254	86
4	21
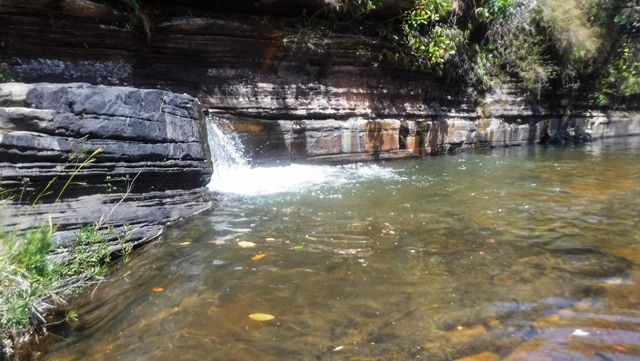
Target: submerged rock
592	264
483	356
461	342
587	262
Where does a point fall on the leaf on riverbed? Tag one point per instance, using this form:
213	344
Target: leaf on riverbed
245	244
157	289
619	347
311	238
262	317
259	256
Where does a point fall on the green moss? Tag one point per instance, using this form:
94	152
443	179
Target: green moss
5	74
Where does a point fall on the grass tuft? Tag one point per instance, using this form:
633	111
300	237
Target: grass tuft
34	280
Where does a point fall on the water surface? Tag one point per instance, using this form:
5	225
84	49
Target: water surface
527	253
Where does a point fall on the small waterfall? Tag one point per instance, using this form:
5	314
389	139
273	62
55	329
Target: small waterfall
226	149
233	174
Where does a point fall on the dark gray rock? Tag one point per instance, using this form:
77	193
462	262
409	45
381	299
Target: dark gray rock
136	157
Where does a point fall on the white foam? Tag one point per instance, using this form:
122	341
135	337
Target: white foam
233	174
292	178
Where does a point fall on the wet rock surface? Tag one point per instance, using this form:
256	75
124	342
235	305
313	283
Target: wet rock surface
80	154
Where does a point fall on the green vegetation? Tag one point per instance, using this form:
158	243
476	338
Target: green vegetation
37	278
358	8
5	74
34	281
622	77
555	44
428	40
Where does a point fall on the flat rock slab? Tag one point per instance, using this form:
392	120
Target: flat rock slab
79	154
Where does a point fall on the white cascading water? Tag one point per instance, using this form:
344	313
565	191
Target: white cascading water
226	149
232	172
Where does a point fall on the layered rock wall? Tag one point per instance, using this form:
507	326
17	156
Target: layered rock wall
79	154
289	88
506	117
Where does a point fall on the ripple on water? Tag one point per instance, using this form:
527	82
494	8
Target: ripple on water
392	261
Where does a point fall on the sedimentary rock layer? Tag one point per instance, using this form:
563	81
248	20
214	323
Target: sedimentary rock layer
78	154
506	117
291	89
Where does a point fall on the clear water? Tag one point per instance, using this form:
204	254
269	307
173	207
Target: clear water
528	253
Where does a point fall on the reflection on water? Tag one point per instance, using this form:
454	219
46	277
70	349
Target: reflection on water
517	254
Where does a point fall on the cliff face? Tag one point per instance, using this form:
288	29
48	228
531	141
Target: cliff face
77	154
266	73
290	91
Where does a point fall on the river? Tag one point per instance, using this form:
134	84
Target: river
526	253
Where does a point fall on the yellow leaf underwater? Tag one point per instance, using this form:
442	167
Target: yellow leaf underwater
261	317
245	244
259	256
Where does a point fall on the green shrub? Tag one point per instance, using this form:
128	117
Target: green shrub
34	280
29	252
622	77
573	34
425	38
357	8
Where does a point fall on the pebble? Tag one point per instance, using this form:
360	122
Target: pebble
580	333
245	244
464	334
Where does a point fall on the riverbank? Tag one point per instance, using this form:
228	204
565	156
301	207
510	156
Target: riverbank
87	172
79	154
38	282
